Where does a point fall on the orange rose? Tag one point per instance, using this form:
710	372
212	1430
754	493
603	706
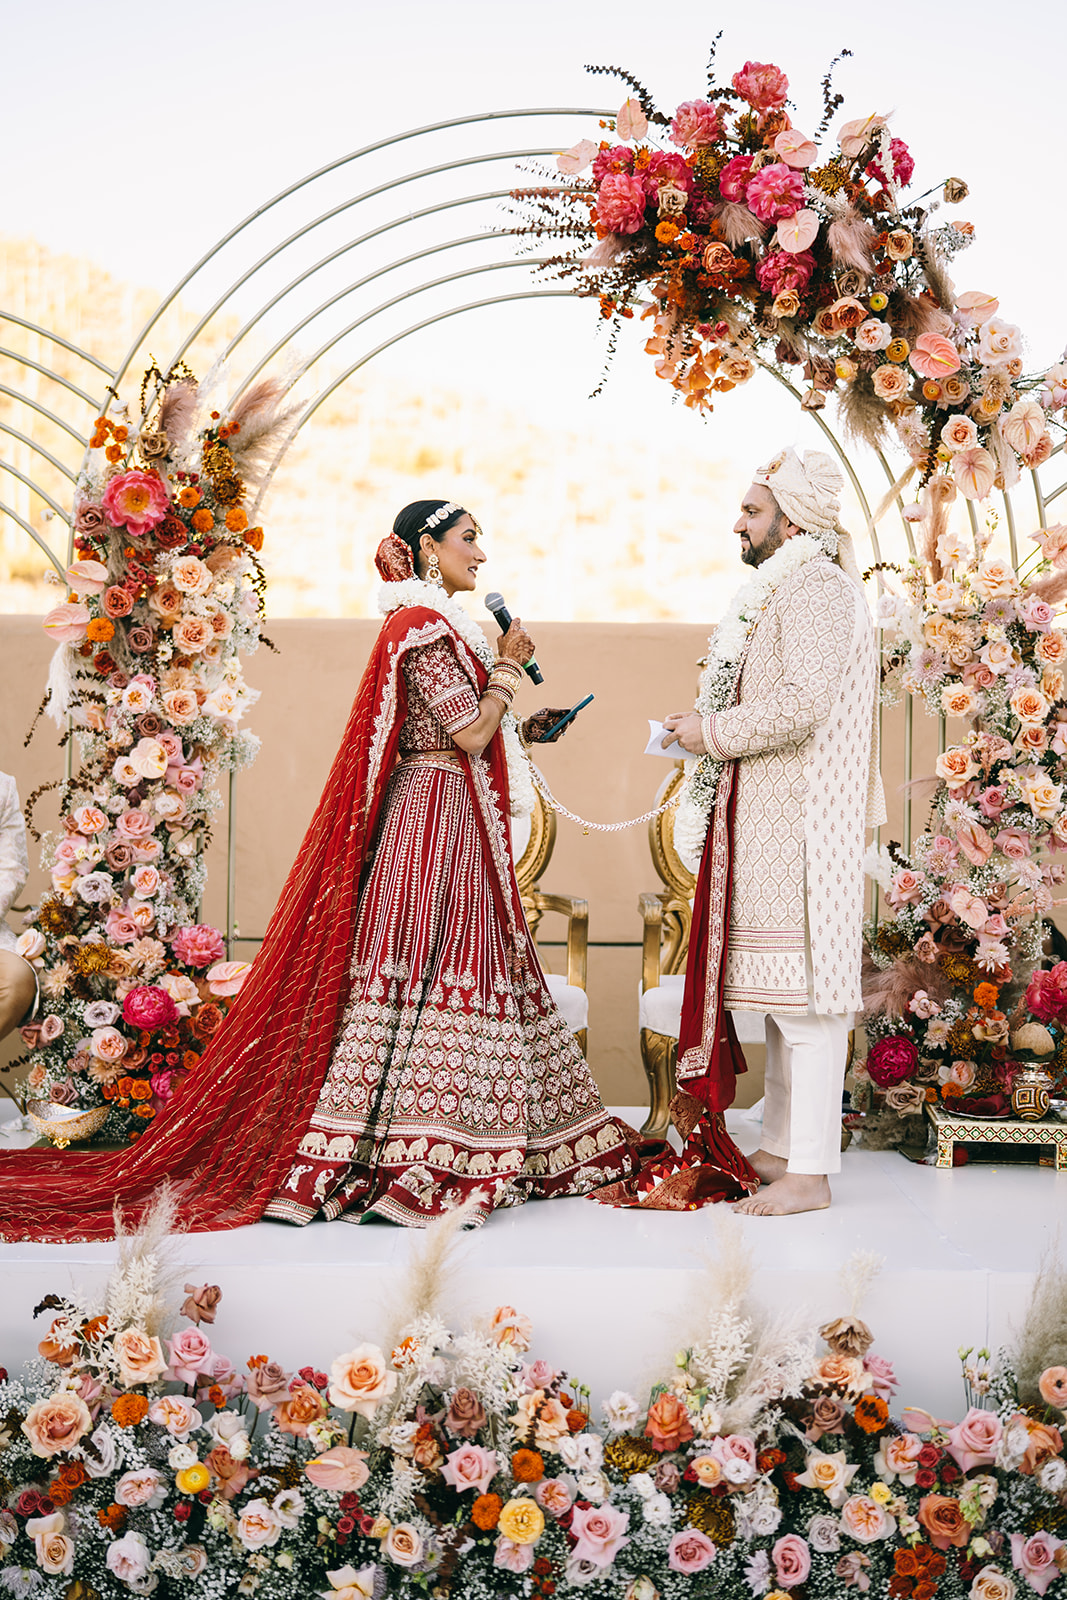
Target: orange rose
192	634
141	1358
254	538
53	1349
304	1406
943	1520
668	1425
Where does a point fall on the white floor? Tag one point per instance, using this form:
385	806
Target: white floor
611	1292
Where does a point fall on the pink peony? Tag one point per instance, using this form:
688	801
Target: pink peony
198	945
601	1533
470	1467
690	1551
775	192
620	204
149	1007
891	1060
903	165
1046	994
785	269
666	167
735	177
762	85
973	1442
696	124
511	1557
619	158
136	501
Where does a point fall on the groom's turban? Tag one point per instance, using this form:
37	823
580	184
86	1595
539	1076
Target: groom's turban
807	491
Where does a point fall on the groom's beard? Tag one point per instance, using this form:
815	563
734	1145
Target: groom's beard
755	555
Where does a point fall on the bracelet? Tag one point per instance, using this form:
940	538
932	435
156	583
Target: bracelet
495	692
502	664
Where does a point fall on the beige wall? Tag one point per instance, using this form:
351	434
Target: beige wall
597	771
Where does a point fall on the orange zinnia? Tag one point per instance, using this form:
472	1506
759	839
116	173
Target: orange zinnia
527	1466
485	1512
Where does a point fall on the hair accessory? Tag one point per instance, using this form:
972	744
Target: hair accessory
393	560
442	514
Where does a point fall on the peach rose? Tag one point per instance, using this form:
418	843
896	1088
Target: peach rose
992	1584
192	634
842	1371
899	1458
830	1473
958	701
996	577
259	1525
1033	739
865	1520
1041	795
1030	705
56	1424
361	1380
511	1327
304	1406
1052	648
998	656
1044	1443
107	1044
140	1357
221	624
955	767
166	603
545	1415
181	706
404	1545
1052	684
959	433
890	382
190	575
54	1549
943	1520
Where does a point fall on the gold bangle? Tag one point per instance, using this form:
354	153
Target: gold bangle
502	664
498	694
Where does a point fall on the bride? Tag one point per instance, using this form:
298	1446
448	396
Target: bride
395	1050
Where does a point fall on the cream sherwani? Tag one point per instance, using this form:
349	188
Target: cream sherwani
14	860
802	735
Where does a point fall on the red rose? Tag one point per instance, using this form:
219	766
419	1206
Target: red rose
1046	994
890	1061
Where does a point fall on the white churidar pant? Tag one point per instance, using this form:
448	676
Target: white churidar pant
805	1075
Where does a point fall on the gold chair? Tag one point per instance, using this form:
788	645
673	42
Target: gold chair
532	841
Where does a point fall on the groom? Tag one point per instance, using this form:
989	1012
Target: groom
800	740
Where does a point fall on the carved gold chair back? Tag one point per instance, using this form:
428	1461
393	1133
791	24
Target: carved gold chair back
532	856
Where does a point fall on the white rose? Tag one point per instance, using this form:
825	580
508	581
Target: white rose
764	1518
30	945
1052	1475
109	1456
129	1558
181	1456
620	1411
657	1510
258	1525
593	1486
738	1470
642	1485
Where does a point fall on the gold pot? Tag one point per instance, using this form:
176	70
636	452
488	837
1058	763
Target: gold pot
1030	1093
63	1125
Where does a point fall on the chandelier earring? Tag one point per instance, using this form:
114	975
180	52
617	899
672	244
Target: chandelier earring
433	570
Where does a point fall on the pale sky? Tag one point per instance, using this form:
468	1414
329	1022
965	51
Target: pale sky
138	135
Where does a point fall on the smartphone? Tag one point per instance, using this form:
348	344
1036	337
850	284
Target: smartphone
563	721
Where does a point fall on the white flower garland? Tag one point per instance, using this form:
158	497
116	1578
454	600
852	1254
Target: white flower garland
718	683
417	592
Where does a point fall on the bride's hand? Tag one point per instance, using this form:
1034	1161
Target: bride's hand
536	726
516	645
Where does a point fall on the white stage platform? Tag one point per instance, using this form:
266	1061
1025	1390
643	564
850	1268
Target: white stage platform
610	1291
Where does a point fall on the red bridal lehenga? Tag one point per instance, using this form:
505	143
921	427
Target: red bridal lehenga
394	1049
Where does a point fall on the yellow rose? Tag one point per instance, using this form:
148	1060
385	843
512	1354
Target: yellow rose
522	1521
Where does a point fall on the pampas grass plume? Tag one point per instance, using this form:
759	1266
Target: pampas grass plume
430	1267
1042	1341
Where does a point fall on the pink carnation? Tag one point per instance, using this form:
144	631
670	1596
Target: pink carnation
149	1008
620	204
775	192
762	85
136	501
696	124
903	165
785	269
735	177
198	945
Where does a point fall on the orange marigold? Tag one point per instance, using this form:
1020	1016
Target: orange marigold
236	519
485	1512
189	497
129	1409
100	629
527	1466
986	996
871	1413
666	232
254	538
203	521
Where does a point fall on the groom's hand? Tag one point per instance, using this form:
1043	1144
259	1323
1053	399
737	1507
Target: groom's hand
685	727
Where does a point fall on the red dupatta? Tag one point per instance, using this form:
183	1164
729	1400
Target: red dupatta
227	1142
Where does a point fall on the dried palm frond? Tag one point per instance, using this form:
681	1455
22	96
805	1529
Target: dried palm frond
935	272
176	412
913	315
737	224
886	991
1052	588
939	495
782	1358
857	1275
851	241
262	428
1042	1340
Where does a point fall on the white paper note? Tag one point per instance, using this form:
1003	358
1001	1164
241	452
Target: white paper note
674	751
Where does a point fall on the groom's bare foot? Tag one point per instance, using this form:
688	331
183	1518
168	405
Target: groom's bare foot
769	1167
792	1192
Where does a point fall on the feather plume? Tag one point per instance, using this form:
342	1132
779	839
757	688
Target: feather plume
1052	588
737	224
429	1267
913	315
176	411
1042	1340
936	274
61	687
263	428
851	242
782	1357
147	1272
886	992
922	788
862	413
857	1275
891	494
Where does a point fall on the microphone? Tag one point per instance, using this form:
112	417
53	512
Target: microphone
495	603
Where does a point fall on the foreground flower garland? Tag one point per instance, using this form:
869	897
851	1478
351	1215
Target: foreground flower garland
765	1470
166	597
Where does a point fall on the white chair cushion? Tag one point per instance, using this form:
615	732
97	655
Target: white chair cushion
660	1010
520	835
572	1002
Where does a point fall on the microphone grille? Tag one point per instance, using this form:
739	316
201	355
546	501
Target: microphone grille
494	601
